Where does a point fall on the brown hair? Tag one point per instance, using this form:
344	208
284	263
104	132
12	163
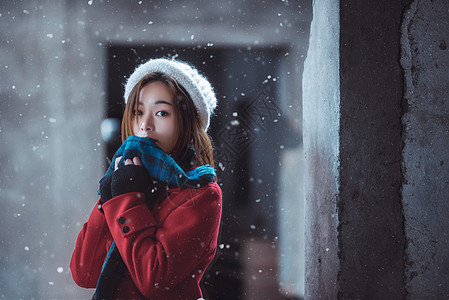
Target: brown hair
187	117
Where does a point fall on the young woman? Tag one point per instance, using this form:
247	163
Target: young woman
154	231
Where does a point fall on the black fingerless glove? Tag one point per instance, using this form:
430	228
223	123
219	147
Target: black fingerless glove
129	178
105	189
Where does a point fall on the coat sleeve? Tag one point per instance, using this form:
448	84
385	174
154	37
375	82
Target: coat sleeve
160	255
90	250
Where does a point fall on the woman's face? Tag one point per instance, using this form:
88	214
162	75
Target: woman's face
155	116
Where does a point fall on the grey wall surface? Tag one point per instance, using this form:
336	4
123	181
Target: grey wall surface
51	155
425	60
53	86
371	236
321	111
390	192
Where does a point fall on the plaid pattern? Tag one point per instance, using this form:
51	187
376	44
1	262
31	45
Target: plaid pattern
160	165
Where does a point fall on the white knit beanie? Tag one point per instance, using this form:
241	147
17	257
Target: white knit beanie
197	86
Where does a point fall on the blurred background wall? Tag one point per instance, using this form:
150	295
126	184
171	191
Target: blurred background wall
62	69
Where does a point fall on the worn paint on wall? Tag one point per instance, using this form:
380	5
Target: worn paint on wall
321	110
425	60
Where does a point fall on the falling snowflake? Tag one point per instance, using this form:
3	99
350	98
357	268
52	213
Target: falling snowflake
235	123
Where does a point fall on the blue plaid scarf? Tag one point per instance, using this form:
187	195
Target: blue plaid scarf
161	167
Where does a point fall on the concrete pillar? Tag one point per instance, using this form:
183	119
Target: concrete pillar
371	234
321	110
375	139
352	136
425	60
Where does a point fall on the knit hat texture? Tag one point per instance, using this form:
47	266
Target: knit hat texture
196	85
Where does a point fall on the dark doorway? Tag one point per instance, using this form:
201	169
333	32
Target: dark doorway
248	132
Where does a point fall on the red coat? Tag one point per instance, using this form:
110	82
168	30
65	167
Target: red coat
166	250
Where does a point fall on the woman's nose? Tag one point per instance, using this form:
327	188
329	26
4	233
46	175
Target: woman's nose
146	125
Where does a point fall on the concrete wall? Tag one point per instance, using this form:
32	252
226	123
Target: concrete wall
53	84
321	114
386	178
51	154
371	236
425	60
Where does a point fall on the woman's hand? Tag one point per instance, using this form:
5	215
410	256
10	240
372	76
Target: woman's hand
130	177
135	161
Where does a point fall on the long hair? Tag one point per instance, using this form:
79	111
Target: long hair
188	124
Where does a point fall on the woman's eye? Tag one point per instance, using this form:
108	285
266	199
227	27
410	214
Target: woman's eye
162	113
137	112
